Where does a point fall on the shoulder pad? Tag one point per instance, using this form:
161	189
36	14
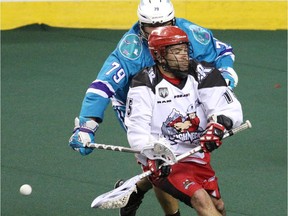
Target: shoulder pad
143	78
209	77
147	77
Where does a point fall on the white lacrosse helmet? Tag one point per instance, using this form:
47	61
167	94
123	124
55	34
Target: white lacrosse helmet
156	11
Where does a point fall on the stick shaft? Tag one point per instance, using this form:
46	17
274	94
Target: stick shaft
112	148
242	127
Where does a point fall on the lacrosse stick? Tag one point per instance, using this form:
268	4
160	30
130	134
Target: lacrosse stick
159	149
118	197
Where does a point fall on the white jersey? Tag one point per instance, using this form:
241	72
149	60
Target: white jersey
157	108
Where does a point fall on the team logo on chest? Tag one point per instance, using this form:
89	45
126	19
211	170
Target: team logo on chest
163	92
180	127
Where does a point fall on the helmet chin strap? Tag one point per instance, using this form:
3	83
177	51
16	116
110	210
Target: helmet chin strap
142	32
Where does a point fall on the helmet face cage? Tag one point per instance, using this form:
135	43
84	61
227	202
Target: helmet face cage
161	52
154	14
174	69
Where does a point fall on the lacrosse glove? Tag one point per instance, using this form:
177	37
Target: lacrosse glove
157	168
83	134
211	137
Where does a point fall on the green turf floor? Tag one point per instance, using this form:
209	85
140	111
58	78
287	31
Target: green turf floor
44	75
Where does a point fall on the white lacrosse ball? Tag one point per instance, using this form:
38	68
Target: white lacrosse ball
26	189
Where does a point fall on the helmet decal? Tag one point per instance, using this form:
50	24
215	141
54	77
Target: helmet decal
131	46
200	34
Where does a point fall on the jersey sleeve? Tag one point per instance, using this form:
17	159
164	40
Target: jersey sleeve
112	81
217	99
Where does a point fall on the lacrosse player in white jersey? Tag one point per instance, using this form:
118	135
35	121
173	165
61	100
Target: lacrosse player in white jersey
189	104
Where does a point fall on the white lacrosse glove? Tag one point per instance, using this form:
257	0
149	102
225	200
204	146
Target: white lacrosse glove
83	134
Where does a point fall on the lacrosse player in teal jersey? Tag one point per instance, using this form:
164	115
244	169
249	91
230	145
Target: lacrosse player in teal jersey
129	57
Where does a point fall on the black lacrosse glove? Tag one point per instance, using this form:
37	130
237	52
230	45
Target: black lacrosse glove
157	168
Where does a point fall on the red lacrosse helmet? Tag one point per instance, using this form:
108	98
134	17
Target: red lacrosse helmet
164	36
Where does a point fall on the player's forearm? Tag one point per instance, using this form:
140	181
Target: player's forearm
94	106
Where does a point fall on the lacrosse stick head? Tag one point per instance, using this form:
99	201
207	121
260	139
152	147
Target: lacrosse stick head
160	149
117	198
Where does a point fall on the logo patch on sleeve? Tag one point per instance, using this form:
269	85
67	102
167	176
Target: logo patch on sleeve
131	47
200	34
